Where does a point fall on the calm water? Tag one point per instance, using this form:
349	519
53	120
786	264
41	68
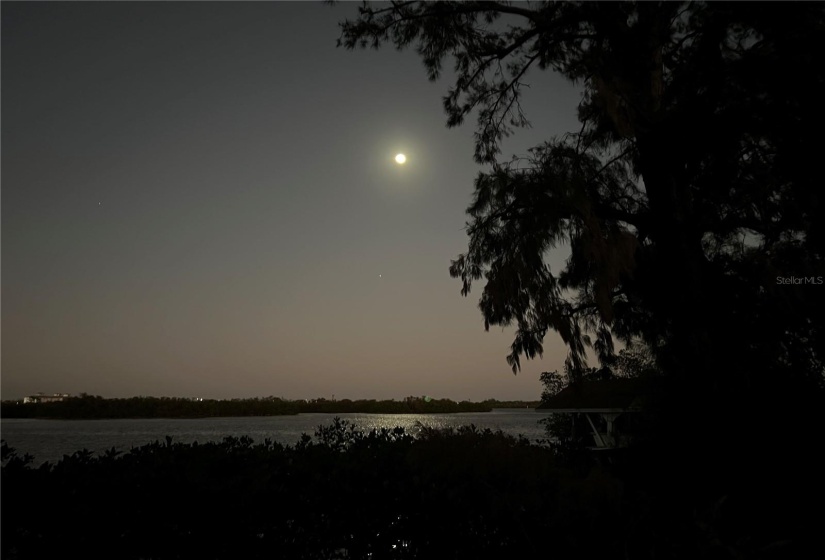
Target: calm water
49	440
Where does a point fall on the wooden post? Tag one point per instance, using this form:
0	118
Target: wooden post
596	434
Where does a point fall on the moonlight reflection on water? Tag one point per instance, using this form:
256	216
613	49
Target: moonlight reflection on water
49	440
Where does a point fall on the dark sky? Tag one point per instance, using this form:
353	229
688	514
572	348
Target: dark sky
200	199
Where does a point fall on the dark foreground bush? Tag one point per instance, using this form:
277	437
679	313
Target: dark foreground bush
344	494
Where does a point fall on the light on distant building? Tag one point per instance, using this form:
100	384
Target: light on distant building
44	398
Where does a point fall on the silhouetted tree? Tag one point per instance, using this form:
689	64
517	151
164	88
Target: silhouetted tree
634	361
690	190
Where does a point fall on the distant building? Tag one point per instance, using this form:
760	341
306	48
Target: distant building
44	398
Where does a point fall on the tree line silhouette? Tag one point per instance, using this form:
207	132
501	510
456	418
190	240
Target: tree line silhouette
345	493
89	406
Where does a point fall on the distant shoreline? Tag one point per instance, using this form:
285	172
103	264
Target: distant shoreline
88	407
58	419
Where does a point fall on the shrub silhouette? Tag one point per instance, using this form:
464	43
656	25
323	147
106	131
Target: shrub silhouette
347	493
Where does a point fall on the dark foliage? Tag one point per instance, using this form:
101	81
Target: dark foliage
460	494
342	494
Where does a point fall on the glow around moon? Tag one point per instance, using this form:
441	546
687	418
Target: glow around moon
400	158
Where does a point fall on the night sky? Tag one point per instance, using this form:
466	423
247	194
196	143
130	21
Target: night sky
201	199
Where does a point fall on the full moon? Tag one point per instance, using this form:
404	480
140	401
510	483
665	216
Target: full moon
400	158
